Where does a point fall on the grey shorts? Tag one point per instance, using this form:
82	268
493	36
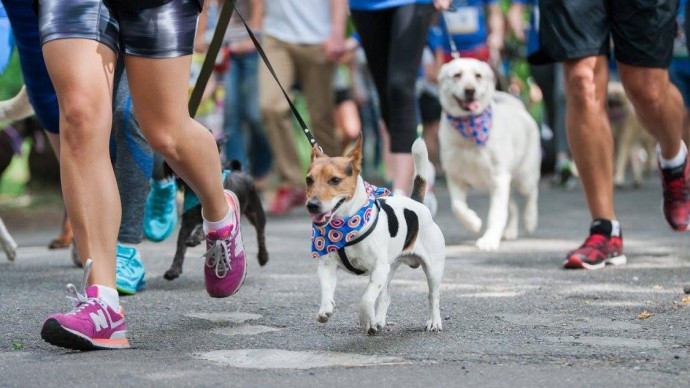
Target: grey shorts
166	31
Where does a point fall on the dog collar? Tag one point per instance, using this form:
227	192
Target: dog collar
475	127
191	200
341	232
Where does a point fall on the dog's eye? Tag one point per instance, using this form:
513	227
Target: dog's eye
335	181
310	181
457	75
478	76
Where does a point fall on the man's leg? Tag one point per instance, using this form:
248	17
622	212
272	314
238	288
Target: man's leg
589	133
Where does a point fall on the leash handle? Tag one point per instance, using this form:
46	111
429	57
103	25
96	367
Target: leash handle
211	55
295	112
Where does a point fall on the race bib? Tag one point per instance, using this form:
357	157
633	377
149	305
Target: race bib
465	20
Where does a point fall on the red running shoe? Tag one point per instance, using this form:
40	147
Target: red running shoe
287	198
676	185
597	251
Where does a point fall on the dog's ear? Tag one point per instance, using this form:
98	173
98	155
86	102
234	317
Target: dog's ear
443	72
356	154
316	152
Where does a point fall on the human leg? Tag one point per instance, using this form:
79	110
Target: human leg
260	152
232	123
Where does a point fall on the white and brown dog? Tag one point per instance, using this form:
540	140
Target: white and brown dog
488	141
634	145
366	231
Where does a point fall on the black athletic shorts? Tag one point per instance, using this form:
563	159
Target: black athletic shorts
642	30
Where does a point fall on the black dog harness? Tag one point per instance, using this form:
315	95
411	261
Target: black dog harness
341	252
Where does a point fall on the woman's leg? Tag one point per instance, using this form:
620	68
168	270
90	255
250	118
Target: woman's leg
83	81
186	145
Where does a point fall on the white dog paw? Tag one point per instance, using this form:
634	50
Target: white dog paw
488	243
434	325
473	223
323	316
510	233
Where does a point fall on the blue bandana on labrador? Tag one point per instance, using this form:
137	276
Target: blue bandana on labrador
339	231
474	127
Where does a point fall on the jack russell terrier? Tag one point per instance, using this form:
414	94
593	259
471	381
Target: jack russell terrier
367	231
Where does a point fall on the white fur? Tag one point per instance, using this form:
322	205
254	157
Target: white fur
7	242
380	255
510	158
17	107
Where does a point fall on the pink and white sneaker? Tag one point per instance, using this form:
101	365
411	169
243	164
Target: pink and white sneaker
225	267
91	325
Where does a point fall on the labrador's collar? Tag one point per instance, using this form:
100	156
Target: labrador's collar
474	127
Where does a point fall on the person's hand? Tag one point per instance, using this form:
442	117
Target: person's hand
442	5
244	46
334	47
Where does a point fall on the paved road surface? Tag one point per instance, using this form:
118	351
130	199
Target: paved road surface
511	318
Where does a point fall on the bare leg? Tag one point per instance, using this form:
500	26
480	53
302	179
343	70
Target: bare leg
83	81
186	145
589	132
658	104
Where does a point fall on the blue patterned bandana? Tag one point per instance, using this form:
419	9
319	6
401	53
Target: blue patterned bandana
473	127
339	231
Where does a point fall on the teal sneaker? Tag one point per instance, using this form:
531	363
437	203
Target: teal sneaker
129	272
160	215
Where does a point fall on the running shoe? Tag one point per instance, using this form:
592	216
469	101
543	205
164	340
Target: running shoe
129	272
597	251
224	262
91	325
676	185
286	198
160	215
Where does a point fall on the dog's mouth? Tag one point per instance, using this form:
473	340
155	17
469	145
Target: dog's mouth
468	104
322	219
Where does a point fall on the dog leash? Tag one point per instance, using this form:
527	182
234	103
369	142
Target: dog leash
214	49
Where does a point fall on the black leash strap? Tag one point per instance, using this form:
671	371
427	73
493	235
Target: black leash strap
341	252
261	52
211	55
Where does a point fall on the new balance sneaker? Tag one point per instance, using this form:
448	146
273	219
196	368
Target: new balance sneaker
676	185
130	275
597	251
160	214
224	266
286	198
91	325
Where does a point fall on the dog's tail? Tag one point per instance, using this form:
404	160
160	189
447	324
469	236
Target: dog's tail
421	170
16	108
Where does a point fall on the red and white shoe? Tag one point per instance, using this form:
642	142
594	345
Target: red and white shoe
596	252
676	185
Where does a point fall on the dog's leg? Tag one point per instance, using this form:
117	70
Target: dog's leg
498	214
7	242
637	162
511	230
195	237
327	273
434	273
377	281
66	235
623	145
384	301
256	216
467	216
191	219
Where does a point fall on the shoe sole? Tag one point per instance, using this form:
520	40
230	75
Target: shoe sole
579	264
238	214
55	334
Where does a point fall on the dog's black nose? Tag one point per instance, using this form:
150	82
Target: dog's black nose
469	92
314	206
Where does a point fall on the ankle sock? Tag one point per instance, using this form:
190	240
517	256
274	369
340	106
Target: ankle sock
109	296
605	227
676	161
229	219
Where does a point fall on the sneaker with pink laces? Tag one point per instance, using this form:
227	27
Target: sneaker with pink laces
224	266
91	325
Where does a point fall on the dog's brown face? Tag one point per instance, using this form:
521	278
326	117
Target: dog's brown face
617	102
331	182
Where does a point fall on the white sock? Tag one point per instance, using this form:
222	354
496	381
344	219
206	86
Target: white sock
677	160
217	225
615	228
109	296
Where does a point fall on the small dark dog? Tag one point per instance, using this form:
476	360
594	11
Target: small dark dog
191	232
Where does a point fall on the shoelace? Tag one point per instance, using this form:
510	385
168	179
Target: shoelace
677	190
217	256
594	241
79	300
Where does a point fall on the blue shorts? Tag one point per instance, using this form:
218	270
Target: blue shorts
166	31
